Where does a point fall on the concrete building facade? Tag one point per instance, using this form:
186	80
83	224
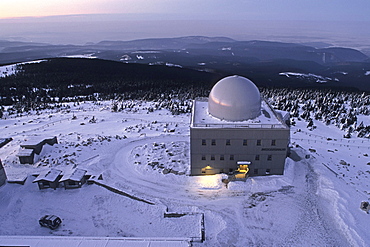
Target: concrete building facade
235	127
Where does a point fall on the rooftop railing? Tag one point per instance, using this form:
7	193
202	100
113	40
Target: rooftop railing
251	126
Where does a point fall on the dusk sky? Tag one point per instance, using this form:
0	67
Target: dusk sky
207	9
81	21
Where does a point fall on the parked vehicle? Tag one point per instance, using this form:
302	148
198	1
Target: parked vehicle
50	221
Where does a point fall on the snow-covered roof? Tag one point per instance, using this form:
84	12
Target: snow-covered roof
74	175
34	140
234	98
25	152
46	241
267	119
48	175
4	141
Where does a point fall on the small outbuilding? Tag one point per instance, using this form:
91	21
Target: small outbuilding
33	145
75	179
26	156
48	179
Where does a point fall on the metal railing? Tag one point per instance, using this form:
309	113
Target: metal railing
251	126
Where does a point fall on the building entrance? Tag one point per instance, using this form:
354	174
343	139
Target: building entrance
208	170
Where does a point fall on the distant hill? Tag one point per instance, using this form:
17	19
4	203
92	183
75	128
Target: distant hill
161	43
74	77
267	63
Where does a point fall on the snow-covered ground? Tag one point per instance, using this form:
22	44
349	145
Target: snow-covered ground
8	70
145	155
310	76
81	56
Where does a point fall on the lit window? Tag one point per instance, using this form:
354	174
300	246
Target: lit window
203	157
245	142
259	142
204	142
231	157
213	143
222	157
273	142
269	157
257	157
212	157
228	142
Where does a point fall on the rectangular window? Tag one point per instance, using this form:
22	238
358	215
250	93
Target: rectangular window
204	142
212	157
273	142
259	142
203	157
228	143
245	142
213	143
231	157
257	157
222	157
269	157
255	171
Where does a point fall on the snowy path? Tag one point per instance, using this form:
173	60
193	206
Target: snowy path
313	226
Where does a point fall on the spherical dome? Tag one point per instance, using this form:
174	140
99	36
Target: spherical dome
234	98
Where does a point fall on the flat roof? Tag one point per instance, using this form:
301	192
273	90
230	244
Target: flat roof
202	119
47	241
33	141
25	152
36	140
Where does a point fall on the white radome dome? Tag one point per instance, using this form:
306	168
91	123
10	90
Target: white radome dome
234	98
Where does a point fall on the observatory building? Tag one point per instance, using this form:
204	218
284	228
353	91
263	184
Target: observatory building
235	130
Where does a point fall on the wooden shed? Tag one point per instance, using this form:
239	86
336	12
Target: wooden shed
75	179
26	156
48	179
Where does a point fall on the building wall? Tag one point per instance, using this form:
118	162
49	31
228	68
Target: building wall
43	184
217	150
2	174
71	184
27	159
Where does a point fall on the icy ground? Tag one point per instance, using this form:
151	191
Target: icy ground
146	155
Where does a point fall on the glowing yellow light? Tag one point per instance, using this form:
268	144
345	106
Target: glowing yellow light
208	182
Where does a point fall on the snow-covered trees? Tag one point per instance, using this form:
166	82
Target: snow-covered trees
330	107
